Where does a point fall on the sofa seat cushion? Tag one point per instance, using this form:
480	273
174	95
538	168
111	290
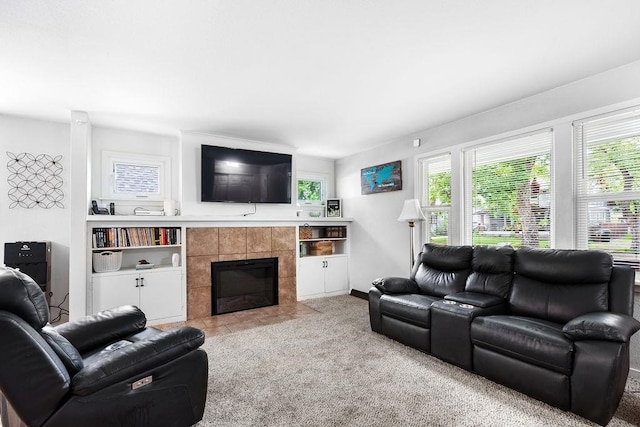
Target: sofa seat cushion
535	341
411	308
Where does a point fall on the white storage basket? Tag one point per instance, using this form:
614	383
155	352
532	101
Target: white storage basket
107	261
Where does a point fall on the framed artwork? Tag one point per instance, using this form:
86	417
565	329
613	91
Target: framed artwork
381	178
334	208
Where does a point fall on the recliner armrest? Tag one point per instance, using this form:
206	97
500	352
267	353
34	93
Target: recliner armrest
102	328
396	285
601	326
476	299
134	359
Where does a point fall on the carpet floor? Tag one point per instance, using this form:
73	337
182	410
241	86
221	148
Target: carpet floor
330	369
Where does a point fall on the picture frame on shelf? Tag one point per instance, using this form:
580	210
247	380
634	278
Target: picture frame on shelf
334	208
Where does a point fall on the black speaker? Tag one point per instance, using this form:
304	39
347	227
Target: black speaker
33	259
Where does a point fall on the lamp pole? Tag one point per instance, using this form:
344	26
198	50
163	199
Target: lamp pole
411	212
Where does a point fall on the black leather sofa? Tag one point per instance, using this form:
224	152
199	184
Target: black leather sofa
553	324
108	369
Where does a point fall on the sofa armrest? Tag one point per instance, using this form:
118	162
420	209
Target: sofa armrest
396	285
102	328
134	359
601	326
476	299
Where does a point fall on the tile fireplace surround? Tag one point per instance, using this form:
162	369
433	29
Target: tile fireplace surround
212	244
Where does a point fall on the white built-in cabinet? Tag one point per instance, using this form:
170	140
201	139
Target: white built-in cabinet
160	292
323	261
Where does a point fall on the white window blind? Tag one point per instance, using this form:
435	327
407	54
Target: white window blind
509	191
435	196
133	176
608	184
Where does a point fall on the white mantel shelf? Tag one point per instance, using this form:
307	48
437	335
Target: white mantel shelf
186	219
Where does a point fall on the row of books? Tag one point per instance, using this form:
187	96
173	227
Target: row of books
135	236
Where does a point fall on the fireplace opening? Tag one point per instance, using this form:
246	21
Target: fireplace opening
243	284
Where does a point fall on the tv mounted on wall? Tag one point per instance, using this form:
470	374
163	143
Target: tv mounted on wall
244	176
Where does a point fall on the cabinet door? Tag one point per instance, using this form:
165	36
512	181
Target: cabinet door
336	275
161	293
112	291
310	276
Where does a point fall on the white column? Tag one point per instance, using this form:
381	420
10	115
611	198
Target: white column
80	167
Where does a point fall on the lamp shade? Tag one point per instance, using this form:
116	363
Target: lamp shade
411	211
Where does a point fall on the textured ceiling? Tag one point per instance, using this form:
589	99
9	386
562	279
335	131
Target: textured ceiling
328	77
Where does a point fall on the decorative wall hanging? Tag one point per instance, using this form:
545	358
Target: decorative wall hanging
381	178
35	180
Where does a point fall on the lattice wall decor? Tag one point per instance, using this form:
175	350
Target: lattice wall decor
35	180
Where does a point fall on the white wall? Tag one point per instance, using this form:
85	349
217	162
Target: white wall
379	243
19	135
191	204
125	141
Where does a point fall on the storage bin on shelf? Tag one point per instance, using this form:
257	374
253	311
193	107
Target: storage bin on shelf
321	248
305	232
105	261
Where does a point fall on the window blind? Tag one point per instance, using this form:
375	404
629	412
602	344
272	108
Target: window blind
608	184
509	191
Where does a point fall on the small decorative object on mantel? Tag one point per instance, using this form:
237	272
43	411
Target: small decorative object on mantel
143	264
35	180
334	208
381	178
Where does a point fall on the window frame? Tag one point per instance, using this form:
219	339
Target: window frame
546	133
592	131
422	166
108	179
321	178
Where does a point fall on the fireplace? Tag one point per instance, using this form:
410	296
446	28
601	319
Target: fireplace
243	284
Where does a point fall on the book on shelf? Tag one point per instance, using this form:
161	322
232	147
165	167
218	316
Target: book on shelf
113	237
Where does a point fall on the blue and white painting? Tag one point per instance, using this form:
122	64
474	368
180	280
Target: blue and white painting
381	178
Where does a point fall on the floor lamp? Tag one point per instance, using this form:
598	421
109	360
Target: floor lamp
411	213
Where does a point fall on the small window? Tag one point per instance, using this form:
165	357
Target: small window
311	190
435	196
128	176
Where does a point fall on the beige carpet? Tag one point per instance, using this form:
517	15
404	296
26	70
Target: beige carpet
329	369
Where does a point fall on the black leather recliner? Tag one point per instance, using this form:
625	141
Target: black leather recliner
108	369
400	308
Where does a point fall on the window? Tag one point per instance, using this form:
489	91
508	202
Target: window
311	189
509	192
435	196
130	176
608	184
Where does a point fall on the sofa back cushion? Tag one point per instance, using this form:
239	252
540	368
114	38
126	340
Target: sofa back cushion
559	285
491	270
442	270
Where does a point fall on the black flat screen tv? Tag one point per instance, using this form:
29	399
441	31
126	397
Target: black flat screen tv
244	176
